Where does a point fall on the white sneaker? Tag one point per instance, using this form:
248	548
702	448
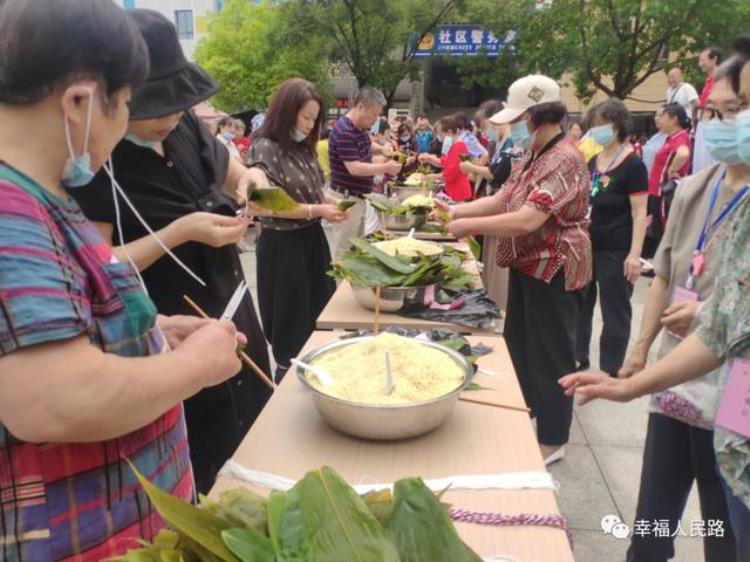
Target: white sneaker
558	455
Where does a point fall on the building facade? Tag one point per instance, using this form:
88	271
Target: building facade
189	16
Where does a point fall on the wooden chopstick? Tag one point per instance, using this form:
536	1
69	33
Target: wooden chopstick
244	356
487	403
376	327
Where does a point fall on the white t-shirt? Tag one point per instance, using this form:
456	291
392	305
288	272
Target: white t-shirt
684	94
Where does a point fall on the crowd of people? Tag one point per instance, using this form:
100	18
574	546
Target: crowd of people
124	202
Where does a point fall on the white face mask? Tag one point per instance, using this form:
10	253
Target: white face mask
77	171
297	135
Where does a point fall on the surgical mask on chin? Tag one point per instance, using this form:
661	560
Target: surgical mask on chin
743	136
228	136
77	171
603	134
520	135
138	141
721	140
405	138
298	136
447	144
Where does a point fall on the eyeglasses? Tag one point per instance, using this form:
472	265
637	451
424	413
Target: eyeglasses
729	113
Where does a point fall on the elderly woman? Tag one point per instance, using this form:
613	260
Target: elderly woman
170	166
719	342
619	188
293	253
88	378
539	217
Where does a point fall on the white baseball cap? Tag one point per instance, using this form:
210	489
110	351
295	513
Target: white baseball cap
524	93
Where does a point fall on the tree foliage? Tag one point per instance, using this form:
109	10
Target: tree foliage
251	48
375	39
608	45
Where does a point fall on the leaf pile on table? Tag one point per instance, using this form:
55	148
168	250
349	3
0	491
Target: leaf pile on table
367	266
320	519
418	206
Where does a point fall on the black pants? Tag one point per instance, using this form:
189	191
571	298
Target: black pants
293	287
614	296
540	330
674	456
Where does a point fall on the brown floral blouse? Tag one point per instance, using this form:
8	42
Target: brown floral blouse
296	170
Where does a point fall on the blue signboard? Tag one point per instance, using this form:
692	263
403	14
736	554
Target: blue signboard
462	40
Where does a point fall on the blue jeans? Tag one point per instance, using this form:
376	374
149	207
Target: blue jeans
739	517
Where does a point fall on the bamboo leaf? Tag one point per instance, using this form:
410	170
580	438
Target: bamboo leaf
346	204
400	264
339	525
196	524
276	505
249	545
273	199
474	247
421	529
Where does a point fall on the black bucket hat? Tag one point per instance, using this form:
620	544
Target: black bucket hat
174	84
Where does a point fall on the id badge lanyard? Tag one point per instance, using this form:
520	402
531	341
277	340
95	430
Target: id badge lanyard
698	263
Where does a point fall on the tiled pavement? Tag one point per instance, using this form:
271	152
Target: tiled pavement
600	474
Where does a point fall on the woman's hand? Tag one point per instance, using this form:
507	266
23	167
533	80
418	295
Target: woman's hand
679	317
177	328
214	347
331	213
211	229
445	207
251	177
632	268
590	385
467	168
634	363
461	228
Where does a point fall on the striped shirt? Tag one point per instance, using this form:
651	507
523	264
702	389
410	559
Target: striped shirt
59	280
556	183
349	143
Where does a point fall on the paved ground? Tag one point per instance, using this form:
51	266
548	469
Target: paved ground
601	472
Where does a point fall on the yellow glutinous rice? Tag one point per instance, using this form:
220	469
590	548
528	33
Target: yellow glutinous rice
358	370
410	247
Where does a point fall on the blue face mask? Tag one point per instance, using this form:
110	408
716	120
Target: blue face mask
77	171
743	136
297	136
447	144
520	135
228	136
492	134
720	138
603	134
138	141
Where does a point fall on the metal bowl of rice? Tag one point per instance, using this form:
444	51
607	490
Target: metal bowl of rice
386	421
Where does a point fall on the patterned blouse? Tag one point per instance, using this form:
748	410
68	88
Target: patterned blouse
59	281
725	329
296	170
555	182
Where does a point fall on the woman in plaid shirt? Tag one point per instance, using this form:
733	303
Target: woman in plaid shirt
87	378
539	218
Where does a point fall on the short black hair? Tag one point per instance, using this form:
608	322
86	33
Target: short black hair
45	46
614	111
550	113
462	121
677	111
488	108
714	53
404	128
383	125
742	46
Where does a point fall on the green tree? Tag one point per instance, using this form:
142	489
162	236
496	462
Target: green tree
251	48
375	39
610	45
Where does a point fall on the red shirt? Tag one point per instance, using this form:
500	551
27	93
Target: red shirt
663	160
707	87
556	183
457	185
